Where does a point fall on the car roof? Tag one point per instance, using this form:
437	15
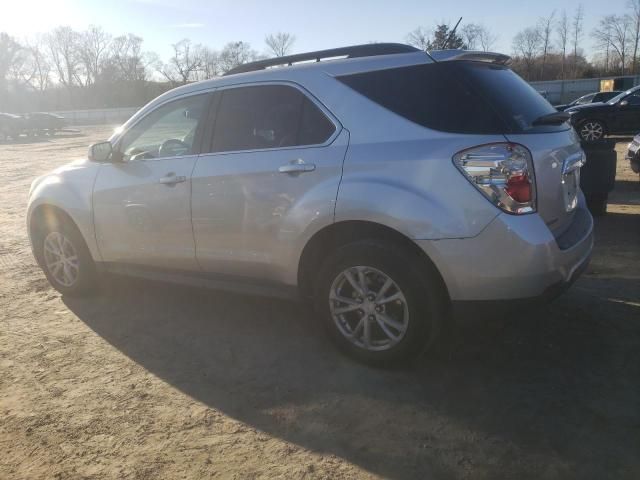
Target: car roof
299	72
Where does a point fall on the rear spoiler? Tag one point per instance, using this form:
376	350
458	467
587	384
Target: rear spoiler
471	55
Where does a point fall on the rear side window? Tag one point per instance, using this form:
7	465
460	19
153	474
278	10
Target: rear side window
269	116
459	97
517	102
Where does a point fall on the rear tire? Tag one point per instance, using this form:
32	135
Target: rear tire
64	258
391	314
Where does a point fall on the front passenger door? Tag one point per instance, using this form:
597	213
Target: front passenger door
142	204
628	120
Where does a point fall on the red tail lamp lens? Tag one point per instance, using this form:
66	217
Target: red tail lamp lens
519	188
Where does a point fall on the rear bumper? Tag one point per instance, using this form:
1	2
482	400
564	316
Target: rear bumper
515	258
487	308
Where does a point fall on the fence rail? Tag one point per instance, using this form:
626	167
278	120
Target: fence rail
97	116
565	91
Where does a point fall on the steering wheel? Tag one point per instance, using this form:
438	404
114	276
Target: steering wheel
169	147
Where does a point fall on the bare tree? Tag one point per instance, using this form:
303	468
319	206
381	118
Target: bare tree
419	38
184	63
10	58
562	30
615	31
92	48
576	35
210	67
526	45
471	35
280	43
236	53
478	37
545	30
63	50
131	63
486	39
634	18
602	36
39	65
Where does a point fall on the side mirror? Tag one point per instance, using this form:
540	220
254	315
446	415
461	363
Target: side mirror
100	152
623	103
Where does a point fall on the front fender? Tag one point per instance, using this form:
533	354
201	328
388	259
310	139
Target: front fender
70	190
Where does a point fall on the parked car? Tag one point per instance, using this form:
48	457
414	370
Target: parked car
386	187
633	154
11	126
44	123
618	116
595	97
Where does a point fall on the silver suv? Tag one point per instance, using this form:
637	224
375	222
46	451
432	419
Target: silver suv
386	185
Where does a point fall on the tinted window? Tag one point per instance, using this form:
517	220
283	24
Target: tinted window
633	99
428	95
515	100
168	131
270	116
462	97
607	95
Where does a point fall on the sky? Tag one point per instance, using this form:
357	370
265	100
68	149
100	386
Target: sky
316	25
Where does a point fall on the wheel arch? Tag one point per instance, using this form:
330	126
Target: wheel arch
46	215
341	233
597	119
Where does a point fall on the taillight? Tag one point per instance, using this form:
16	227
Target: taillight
503	173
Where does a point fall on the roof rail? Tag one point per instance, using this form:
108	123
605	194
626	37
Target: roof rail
367	50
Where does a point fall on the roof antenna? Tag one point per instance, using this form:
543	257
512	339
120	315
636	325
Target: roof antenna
451	34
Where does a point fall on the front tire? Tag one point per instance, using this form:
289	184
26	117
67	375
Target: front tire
64	258
591	130
379	302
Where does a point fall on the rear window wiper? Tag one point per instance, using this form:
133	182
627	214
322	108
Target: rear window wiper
555	118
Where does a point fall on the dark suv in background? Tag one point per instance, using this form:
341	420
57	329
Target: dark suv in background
618	116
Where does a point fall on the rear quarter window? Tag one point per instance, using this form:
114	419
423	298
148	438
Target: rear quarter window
459	97
429	96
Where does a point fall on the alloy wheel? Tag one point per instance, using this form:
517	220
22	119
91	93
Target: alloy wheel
369	308
591	131
61	259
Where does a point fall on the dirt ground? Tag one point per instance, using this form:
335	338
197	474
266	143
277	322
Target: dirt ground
148	380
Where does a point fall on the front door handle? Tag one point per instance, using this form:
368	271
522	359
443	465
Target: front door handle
297	166
172	179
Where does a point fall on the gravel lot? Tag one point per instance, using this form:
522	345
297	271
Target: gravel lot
148	380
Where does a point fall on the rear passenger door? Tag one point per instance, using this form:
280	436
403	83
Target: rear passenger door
274	164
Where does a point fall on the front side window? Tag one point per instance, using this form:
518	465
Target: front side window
634	99
269	116
585	99
168	131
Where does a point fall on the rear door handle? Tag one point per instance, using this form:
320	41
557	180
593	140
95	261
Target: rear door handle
172	179
297	166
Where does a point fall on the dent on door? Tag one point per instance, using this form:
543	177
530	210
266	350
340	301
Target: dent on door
251	208
142	213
